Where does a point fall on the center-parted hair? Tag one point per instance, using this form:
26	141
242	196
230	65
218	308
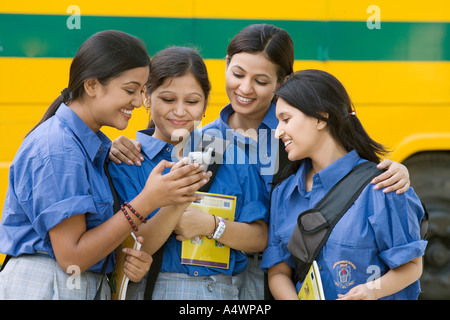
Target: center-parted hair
274	42
175	62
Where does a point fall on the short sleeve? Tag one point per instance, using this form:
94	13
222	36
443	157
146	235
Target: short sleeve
276	251
396	223
53	189
256	201
255	196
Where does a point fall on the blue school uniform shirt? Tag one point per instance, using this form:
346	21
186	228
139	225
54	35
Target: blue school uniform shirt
379	232
237	180
263	154
57	173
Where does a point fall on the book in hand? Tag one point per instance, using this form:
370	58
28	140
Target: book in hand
312	285
119	281
201	250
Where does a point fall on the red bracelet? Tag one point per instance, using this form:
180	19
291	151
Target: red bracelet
135	212
128	218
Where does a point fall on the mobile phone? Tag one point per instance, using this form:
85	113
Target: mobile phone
200	157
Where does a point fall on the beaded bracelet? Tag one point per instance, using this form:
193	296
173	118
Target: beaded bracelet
135	212
128	218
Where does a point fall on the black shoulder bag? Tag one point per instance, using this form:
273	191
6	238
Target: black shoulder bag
315	225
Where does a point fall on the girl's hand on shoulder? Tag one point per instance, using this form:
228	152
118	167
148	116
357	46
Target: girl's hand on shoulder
396	178
137	262
126	150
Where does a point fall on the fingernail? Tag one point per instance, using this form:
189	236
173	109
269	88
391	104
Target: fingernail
138	163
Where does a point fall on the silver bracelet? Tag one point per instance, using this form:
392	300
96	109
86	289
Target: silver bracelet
220	229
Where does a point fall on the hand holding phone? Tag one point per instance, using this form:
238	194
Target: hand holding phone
202	158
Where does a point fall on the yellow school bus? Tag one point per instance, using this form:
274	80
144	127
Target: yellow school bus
393	57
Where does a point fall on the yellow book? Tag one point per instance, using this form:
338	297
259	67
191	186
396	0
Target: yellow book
202	251
119	281
312	285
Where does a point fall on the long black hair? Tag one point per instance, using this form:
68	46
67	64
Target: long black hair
104	55
315	93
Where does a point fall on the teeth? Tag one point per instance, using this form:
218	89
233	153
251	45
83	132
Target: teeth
287	143
126	111
243	99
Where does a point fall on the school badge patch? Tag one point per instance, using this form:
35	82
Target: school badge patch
344	274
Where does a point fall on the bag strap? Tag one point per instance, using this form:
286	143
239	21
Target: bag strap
337	200
213	167
116	204
333	206
99	288
116	207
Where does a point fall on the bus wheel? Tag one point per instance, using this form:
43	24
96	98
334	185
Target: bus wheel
430	178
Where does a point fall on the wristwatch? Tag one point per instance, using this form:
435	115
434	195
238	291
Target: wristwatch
220	229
